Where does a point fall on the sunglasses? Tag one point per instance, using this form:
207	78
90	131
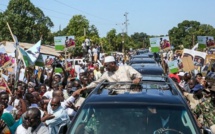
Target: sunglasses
27	118
54	105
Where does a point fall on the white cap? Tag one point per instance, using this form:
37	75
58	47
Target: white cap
58	74
181	73
109	59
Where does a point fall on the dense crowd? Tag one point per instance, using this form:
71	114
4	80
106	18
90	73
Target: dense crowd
44	99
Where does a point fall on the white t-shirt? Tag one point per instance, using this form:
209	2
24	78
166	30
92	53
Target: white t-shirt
83	45
90	52
48	94
16	102
21	130
77	70
87	41
95	52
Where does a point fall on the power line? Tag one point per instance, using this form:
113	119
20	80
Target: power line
82	11
100	23
55	11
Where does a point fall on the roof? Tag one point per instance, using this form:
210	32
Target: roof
148	96
9	47
162	92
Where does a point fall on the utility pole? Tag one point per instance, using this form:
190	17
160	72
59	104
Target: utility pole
125	35
126	22
84	32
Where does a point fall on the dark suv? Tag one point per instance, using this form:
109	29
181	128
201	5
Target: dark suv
124	108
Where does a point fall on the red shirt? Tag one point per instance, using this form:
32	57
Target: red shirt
175	76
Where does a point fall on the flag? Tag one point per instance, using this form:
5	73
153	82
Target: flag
34	52
26	59
30	56
16	45
40	61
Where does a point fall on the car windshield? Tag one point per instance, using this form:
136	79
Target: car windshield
132	119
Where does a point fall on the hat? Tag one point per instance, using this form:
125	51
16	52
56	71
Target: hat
109	59
58	74
181	73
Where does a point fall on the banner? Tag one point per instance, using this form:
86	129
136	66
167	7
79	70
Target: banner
165	43
187	64
34	51
154	44
199	58
173	66
208	58
62	42
188	53
205	41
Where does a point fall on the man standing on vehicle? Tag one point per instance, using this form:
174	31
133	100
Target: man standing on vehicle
115	73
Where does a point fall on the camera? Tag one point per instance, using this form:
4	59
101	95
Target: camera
56	63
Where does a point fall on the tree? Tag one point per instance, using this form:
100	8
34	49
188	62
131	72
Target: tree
93	31
186	33
140	40
111	39
27	22
77	25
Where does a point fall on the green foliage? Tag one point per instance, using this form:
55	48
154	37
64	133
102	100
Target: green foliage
27	22
187	31
140	40
77	25
76	52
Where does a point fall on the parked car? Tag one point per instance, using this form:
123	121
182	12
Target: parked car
124	108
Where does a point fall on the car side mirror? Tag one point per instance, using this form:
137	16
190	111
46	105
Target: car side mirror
206	130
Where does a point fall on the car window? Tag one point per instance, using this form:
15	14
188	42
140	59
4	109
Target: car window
153	78
132	118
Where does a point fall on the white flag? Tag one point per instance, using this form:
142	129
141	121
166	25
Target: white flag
34	51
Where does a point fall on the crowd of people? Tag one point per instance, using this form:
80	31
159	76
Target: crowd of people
45	100
198	90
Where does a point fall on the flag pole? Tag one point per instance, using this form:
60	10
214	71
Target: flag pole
15	83
11	32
